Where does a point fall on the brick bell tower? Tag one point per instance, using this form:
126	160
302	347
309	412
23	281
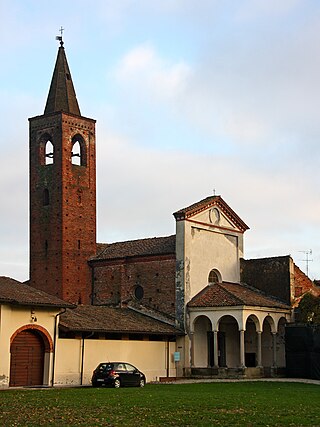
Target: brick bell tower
62	192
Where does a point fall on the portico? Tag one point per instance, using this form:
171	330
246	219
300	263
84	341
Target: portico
236	336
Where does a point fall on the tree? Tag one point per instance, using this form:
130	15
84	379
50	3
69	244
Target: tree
309	308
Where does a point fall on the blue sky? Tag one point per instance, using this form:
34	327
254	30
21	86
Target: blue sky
189	97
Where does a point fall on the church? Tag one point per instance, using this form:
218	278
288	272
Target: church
184	305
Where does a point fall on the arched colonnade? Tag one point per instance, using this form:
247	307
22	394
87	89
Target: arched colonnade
236	338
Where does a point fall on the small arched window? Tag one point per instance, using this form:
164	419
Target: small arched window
49	153
78	152
214	277
46	197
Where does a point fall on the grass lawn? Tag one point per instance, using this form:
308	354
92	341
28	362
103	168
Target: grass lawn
207	404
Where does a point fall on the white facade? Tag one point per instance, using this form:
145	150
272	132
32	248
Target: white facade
210	239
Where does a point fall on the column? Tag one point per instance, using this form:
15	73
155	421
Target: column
215	349
242	364
274	348
259	350
192	349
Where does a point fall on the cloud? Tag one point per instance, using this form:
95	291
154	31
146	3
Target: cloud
253	9
145	71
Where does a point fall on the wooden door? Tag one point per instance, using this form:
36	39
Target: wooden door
27	359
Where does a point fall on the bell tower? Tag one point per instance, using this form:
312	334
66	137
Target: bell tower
62	192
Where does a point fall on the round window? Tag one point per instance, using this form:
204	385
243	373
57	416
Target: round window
138	292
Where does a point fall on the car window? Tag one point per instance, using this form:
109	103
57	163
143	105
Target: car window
105	367
121	367
130	368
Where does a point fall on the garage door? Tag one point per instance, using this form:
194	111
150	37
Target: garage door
27	359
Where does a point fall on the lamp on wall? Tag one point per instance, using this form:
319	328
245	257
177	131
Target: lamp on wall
33	316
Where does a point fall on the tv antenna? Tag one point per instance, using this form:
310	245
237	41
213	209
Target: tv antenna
307	260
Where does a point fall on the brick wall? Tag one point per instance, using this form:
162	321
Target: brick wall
271	275
302	285
62	231
115	282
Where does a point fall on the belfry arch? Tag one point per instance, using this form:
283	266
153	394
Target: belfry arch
78	151
46	150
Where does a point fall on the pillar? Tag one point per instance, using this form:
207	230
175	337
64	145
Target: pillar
215	349
259	350
274	349
242	360
192	349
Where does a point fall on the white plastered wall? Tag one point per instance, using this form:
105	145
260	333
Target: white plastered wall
203	246
148	356
12	318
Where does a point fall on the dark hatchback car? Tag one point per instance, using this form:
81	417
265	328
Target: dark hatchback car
117	374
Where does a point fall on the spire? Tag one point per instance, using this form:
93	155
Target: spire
62	96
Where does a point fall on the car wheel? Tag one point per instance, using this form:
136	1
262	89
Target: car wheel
142	382
117	383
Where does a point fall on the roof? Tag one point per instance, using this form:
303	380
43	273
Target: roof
14	292
62	96
228	294
91	318
141	247
206	203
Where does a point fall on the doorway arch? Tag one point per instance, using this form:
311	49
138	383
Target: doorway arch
28	361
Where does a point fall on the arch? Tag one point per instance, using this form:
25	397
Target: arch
282	321
46	150
29	364
253	318
202	328
270	320
228	317
49	153
214	277
78	151
229	342
48	343
251	341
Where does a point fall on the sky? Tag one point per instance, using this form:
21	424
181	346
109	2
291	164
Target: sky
192	98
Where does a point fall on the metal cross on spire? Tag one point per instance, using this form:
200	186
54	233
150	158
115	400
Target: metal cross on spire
61	30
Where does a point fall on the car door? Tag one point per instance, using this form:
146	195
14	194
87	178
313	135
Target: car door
123	375
133	375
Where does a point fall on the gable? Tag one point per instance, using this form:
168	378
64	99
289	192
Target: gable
212	211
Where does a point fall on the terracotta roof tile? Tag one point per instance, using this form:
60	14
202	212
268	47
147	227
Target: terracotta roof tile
113	320
198	205
14	292
140	247
233	294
